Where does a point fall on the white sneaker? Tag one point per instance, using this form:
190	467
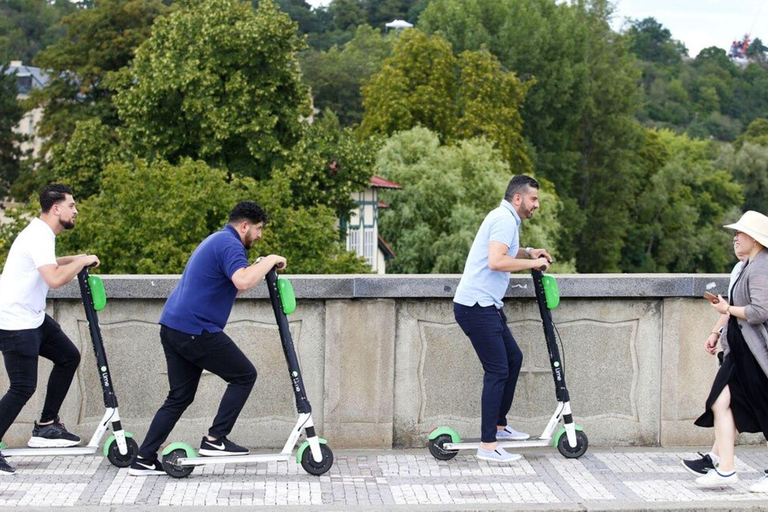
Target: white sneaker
510	434
714	478
497	455
761	485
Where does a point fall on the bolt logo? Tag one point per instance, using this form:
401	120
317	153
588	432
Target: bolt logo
295	374
557	364
103	368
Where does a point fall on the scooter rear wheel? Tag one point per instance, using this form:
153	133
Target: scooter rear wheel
566	450
172	468
317	468
437	450
120	460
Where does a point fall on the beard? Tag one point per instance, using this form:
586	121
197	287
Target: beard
67	224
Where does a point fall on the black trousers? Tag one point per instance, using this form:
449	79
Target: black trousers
187	356
21	350
501	358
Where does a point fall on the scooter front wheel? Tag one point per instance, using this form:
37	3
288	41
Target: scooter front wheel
117	458
171	466
437	450
317	468
573	452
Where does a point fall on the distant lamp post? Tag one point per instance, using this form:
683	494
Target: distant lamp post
398	24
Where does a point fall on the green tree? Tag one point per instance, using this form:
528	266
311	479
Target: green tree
328	165
81	161
652	42
756	133
579	115
27	26
447	191
424	84
217	81
148	219
99	40
336	76
10	115
681	208
749	166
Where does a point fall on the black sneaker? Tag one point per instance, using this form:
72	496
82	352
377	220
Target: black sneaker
699	466
221	448
52	436
5	468
144	467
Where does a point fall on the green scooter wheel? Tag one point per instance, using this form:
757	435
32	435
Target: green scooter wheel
317	468
172	467
117	458
573	452
437	450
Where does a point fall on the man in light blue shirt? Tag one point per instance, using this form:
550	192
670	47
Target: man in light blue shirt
478	305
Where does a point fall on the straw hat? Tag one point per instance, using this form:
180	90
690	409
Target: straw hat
753	224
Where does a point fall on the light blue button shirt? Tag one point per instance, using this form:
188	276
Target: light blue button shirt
479	284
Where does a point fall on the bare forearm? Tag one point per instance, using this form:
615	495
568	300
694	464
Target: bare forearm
64	260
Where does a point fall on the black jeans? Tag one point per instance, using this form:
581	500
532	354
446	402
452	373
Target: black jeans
20	352
501	358
187	356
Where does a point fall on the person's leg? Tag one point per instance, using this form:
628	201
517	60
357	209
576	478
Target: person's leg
725	430
59	349
20	357
183	378
483	326
514	363
224	358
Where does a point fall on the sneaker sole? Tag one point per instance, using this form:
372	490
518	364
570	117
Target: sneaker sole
695	473
7	473
512	438
491	459
718	484
41	442
145	472
217	453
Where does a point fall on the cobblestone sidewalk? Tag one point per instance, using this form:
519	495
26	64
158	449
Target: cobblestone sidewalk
621	479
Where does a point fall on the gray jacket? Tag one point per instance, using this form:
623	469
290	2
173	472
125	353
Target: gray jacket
751	290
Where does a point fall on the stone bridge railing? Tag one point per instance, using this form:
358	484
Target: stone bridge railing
384	361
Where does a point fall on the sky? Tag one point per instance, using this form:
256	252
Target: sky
697	23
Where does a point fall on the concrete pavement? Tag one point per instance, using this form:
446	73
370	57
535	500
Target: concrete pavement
603	479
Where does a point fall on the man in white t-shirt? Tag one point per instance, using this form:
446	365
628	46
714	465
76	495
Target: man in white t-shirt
26	332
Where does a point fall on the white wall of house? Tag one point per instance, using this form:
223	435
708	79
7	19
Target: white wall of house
363	229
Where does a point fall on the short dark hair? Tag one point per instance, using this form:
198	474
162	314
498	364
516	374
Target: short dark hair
519	185
53	194
247	210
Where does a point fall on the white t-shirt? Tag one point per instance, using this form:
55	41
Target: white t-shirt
22	287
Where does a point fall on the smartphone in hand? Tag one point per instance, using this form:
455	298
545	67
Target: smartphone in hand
711	297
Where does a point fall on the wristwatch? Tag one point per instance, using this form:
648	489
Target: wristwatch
528	252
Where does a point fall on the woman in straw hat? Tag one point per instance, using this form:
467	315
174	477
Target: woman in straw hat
738	401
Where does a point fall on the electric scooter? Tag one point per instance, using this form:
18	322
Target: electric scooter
179	459
120	448
445	443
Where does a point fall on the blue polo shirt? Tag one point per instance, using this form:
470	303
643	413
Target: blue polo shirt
204	297
479	284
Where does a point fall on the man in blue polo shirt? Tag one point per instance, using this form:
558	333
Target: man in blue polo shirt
478	309
192	334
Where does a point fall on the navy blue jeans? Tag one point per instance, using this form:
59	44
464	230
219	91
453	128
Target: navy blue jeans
501	359
21	350
187	356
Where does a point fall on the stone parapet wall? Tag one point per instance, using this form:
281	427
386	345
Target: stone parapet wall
384	361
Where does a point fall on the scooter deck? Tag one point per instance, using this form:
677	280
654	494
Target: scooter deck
473	444
234	459
32	452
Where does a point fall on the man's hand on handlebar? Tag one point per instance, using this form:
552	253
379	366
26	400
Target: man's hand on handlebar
541	263
91	261
540	253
